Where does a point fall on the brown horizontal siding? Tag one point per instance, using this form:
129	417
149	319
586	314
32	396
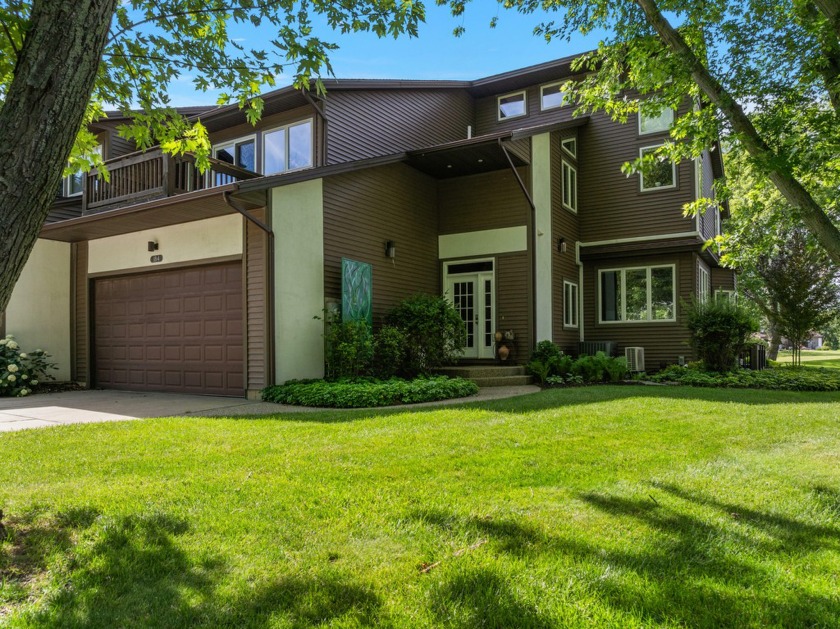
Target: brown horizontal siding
362	211
487	201
486	113
81	338
117	146
723	279
564	224
611	204
256	304
513	300
380	122
663	342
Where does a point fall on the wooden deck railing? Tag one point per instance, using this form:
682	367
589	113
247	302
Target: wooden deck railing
152	175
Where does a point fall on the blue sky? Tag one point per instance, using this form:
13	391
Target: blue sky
435	54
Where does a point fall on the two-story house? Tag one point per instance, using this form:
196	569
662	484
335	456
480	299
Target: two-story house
489	191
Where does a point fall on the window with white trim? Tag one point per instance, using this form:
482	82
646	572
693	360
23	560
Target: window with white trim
730	295
570	304
73	185
553	96
637	294
569	186
570	146
704	284
656	124
512	105
288	148
662	175
241	152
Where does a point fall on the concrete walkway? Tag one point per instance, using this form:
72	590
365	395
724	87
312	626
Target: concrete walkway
84	407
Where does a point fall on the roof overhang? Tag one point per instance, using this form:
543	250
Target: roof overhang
184	208
647	247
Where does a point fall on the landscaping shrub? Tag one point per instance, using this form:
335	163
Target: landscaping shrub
363	393
388	352
348	349
779	379
22	373
434	333
719	330
550	366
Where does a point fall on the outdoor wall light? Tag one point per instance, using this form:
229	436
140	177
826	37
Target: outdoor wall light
561	245
391	249
153	245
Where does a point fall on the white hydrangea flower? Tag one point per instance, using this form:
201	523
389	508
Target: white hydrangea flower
24	391
3	341
34	383
12	368
23	355
24	377
12	377
13	345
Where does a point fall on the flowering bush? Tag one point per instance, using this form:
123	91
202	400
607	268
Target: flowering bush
20	373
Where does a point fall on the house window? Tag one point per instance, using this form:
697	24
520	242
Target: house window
730	295
637	294
552	96
288	148
663	173
570	146
240	153
656	124
569	187
570	304
512	105
704	284
73	185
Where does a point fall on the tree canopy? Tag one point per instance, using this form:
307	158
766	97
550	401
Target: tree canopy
63	62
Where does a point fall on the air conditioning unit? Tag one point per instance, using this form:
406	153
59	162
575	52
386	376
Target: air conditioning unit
635	358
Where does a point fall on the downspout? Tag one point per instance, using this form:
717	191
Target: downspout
533	245
319	109
269	276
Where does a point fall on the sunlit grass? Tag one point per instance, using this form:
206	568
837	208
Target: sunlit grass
604	506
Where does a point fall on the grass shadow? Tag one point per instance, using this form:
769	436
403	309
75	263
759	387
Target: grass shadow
131	571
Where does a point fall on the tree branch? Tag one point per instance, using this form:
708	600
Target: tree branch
768	161
9	37
193	66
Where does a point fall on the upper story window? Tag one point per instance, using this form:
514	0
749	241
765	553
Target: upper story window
288	148
512	105
656	124
663	174
569	186
570	146
73	185
241	152
637	294
552	96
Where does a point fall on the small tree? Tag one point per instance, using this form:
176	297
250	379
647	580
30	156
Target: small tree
719	330
802	284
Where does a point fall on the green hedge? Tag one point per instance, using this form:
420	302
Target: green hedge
364	393
778	379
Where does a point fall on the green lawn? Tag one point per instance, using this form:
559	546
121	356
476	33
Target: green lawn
814	358
601	506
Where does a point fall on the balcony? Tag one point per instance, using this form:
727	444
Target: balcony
153	174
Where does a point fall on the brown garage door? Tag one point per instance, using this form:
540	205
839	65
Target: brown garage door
176	330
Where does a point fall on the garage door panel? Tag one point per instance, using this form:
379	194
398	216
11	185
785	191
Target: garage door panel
174	330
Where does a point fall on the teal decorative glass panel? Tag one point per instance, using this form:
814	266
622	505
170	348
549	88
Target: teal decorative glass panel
356	291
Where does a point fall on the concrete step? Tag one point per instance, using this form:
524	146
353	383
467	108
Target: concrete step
490	375
503	381
482	371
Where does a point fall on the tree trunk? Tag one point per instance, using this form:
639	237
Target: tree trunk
42	113
812	214
775	341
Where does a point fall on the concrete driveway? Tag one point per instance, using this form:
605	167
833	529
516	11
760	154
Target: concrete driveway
83	407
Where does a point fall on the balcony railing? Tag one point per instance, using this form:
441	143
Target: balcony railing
153	175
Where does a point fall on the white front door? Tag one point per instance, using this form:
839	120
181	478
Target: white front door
469	287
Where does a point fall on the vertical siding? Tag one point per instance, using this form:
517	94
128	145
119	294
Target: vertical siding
80	343
513	300
367	123
362	211
256	304
487	201
663	342
564	223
